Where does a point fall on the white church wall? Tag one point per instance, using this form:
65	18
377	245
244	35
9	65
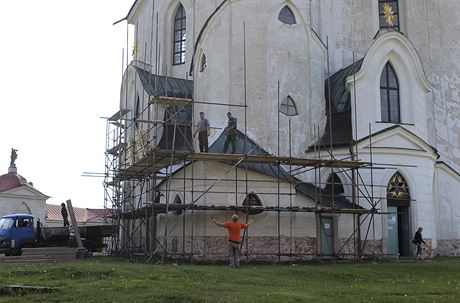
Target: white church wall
434	33
297	230
275	52
447	186
417	168
413	87
24	201
418	171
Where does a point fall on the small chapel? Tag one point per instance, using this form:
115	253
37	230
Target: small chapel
17	195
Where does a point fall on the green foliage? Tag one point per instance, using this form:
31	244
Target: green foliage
104	279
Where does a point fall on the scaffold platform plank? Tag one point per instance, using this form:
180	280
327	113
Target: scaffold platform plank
170	100
152	163
159	159
119	114
159	208
114	150
271	159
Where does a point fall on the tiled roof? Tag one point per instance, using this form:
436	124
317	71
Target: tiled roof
83	215
11	180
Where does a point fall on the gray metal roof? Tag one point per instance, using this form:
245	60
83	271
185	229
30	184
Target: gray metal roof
341	101
323	197
177	131
163	86
246	145
338	125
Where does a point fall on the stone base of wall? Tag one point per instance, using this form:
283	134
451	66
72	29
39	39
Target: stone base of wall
266	249
263	249
448	248
260	249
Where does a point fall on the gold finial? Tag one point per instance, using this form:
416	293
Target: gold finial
135	49
389	14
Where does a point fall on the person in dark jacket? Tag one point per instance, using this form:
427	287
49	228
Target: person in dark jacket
38	232
418	240
230	131
65	215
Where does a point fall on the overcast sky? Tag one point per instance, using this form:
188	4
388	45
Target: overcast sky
60	72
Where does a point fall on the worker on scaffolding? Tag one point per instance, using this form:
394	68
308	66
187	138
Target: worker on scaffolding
234	238
230	131
65	215
203	130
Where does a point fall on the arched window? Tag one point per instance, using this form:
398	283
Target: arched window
137	112
389	95
286	16
252	201
397	188
180	35
177	200
288	107
204	62
389	14
334	185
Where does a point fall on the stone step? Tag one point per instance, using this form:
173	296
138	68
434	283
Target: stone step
49	253
43	255
36	260
48	250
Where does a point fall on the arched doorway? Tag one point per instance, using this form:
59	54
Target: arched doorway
398	205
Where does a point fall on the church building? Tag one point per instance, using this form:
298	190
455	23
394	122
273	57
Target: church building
17	196
367	91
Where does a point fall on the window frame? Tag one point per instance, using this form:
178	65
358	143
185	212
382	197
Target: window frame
253	209
334	182
286	103
181	42
387	94
284	17
396	14
203	62
137	112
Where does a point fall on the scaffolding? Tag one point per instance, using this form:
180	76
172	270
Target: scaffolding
139	170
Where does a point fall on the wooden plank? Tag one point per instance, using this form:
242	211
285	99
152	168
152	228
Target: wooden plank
74	224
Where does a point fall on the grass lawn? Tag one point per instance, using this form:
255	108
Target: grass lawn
104	279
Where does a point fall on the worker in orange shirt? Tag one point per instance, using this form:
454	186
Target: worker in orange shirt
234	238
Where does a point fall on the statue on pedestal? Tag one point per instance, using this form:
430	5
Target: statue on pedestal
14	156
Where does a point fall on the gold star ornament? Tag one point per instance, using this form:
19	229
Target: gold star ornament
389	14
